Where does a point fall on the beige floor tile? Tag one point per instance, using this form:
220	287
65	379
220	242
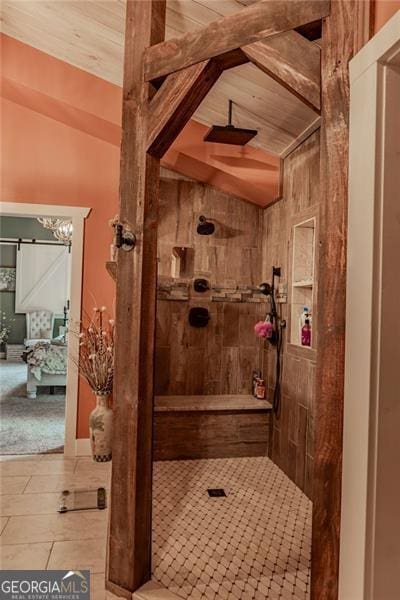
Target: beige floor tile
29	504
24	556
97	587
57	483
3	523
55	456
58	527
153	591
87	465
79	555
14	457
36	467
13	485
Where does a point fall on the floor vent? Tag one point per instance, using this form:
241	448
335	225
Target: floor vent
216	493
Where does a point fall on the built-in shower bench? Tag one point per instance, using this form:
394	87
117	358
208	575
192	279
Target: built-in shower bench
210	426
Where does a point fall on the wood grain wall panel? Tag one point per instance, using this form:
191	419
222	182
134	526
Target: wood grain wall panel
220	358
210	434
292	433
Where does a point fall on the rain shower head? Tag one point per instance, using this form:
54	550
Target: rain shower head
205	227
229	134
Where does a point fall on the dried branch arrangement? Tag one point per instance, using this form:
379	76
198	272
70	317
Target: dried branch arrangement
96	352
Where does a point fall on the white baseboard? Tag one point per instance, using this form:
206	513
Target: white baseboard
82	447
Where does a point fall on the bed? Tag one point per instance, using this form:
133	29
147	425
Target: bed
46	365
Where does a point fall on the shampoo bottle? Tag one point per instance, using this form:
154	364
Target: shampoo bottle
302	321
306	333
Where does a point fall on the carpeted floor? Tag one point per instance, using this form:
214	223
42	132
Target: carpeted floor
29	426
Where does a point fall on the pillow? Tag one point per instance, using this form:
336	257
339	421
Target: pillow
46	334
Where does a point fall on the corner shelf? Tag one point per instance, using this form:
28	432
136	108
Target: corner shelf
303	284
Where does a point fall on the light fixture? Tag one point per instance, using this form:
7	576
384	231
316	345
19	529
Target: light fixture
63	233
50	222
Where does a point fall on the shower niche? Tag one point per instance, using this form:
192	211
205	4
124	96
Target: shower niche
303	284
182	262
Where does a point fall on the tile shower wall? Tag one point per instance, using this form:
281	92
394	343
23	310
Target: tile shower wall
219	358
292	433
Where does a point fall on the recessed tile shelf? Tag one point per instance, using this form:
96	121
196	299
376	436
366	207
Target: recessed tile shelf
303	284
302	277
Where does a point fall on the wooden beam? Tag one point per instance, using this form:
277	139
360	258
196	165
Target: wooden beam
129	556
293	61
263	19
176	101
342	38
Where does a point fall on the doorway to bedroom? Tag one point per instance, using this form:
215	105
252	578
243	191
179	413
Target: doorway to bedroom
40	300
35	281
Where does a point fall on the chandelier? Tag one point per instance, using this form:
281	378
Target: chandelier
51	223
62	230
63	233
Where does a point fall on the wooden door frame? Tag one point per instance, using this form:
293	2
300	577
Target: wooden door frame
164	83
370	531
77	215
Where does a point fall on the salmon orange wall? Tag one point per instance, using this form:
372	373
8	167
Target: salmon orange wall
384	9
47	162
60	145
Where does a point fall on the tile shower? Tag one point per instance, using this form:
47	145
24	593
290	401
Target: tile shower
254	542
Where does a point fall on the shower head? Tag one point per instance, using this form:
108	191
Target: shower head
229	134
204	226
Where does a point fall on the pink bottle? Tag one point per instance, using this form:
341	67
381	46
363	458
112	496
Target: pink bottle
306	333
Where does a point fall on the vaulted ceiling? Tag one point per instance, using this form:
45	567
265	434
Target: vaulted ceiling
89	34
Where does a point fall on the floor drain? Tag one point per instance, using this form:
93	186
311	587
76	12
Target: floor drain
216	493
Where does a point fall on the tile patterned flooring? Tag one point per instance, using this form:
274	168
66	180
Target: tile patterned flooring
33	534
252	545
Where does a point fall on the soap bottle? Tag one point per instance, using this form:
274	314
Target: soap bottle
306	333
260	389
256	376
302	321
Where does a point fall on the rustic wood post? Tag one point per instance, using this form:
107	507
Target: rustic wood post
344	32
129	558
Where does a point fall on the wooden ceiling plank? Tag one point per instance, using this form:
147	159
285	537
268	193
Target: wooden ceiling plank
249	25
270	104
175	103
94	43
302	137
293	61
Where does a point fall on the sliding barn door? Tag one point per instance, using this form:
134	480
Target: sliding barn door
43	278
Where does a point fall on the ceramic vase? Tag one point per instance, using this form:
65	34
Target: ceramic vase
100	427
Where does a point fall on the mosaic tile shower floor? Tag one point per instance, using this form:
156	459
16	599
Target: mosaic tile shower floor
253	544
